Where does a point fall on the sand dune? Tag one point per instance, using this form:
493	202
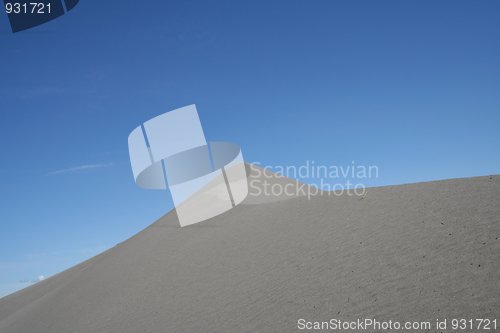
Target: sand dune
411	252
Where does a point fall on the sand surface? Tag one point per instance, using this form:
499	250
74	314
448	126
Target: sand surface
410	252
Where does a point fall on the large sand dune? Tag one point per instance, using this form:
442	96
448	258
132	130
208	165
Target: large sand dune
410	252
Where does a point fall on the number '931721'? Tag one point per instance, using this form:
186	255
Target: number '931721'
28	8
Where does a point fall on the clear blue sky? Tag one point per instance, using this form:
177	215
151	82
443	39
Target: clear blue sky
411	86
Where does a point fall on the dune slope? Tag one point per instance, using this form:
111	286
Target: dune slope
410	252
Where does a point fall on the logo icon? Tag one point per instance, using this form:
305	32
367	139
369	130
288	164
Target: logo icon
204	179
25	14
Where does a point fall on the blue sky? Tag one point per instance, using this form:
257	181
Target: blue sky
410	86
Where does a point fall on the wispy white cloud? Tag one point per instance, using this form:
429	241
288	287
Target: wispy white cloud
35	255
83	167
31	281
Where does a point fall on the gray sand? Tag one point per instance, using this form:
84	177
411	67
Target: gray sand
411	252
